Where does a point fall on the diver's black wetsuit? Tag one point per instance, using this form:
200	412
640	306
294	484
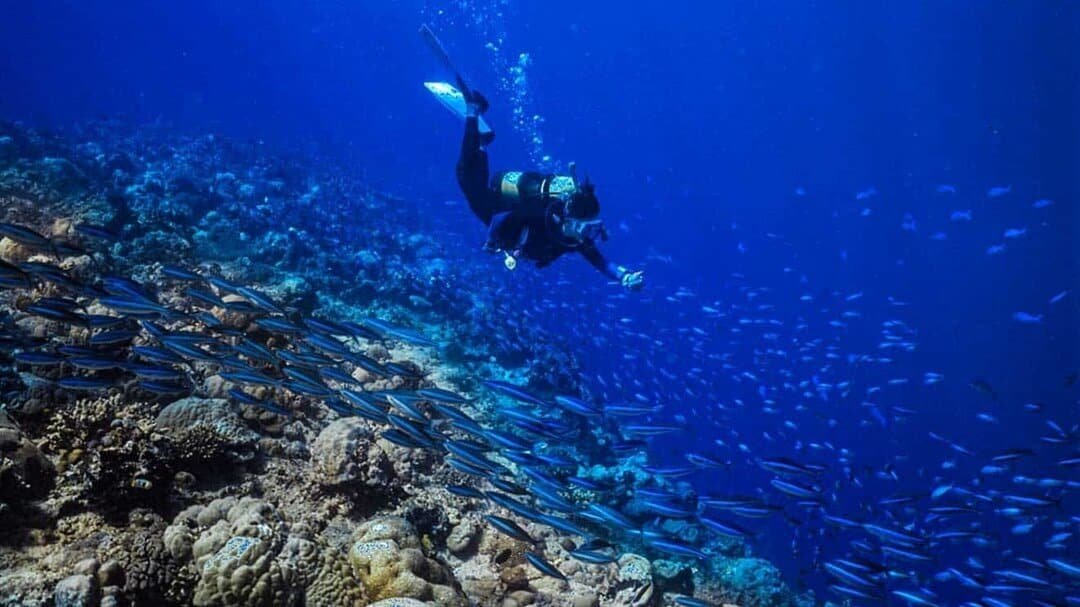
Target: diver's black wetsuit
509	216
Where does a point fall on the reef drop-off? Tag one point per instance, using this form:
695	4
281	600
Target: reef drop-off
131	478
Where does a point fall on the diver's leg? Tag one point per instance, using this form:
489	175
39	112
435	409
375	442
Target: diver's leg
473	172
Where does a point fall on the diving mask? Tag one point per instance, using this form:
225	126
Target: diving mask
584	229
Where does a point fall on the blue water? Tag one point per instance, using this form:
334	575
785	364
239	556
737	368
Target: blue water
779	149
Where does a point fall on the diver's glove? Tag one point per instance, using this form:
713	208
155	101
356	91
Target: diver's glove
634	281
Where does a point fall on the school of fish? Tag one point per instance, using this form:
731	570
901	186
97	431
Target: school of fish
796	373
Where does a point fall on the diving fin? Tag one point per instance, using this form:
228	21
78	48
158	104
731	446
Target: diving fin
443	57
454	100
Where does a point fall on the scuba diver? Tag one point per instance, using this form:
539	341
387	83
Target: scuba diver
530	215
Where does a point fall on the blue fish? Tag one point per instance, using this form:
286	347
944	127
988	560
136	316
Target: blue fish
250	378
464	491
442	396
723	528
689	601
509	528
163	388
676	548
592	557
578	406
113	337
401	439
561	524
278	325
205	297
94	363
178	273
155	372
543	566
90	384
327	327
96	231
39	359
26	237
515	392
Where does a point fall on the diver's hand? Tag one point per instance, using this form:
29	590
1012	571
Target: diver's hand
633	281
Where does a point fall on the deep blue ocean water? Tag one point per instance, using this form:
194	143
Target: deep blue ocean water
764	163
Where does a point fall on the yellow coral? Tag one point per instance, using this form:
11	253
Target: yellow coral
387	561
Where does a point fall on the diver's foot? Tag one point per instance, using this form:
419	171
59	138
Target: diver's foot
476	102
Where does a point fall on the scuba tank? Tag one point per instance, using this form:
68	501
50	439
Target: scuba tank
535	191
518	187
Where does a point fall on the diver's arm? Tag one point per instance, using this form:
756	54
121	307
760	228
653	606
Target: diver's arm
505	232
628	279
597	260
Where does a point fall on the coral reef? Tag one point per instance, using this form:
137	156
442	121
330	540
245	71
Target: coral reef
138	493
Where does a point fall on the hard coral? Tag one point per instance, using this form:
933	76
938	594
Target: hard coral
346	452
150	574
113	456
242	552
216	413
386	558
